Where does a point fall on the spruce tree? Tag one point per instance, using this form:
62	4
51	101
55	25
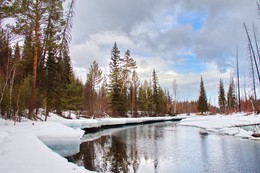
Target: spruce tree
128	65
94	77
155	92
72	99
221	96
202	101
114	86
133	91
231	96
142	98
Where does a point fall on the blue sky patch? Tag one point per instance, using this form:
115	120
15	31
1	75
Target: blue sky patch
189	64
195	19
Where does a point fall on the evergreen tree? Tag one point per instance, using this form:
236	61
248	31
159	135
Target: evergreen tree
150	99
162	101
133	95
116	102
142	99
6	70
72	99
202	101
221	96
127	66
94	77
103	98
155	93
41	23
231	96
26	64
50	82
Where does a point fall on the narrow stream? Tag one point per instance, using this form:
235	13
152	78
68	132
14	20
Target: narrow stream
167	148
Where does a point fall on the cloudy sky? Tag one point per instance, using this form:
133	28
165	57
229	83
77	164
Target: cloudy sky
181	39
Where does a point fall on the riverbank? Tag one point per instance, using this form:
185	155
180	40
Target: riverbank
86	124
24	145
22	151
239	125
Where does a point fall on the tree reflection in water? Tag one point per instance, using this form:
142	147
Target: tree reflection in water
165	147
110	153
118	152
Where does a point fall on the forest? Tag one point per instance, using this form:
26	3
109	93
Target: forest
36	72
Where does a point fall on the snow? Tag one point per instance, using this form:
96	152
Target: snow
21	150
28	146
61	139
237	125
84	123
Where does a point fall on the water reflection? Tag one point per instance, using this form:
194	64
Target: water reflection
165	147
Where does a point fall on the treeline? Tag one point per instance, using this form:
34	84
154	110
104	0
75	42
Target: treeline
36	71
35	67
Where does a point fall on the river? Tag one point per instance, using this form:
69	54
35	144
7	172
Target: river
167	148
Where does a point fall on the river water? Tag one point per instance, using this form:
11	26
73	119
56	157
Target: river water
167	148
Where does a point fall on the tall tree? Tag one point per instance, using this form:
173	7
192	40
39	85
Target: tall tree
133	91
143	98
221	96
6	69
94	78
72	99
231	96
155	86
253	52
127	66
114	86
238	82
103	98
202	101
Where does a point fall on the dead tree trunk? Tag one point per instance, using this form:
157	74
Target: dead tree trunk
238	85
252	51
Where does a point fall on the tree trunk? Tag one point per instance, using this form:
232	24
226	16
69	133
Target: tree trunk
35	59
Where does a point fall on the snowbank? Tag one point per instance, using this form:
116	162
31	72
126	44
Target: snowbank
83	123
60	138
21	150
226	124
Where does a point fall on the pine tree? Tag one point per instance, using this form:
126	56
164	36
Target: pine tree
72	99
116	102
94	77
103	98
221	96
133	91
142	98
150	99
127	66
155	92
6	70
231	96
162	101
202	101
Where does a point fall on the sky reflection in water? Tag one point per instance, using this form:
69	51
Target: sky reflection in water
166	147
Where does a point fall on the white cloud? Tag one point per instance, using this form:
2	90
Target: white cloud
150	29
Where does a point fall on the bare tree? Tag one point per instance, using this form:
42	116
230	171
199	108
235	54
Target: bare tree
238	84
252	52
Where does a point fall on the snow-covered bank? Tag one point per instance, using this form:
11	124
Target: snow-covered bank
60	138
21	150
226	124
28	146
83	123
